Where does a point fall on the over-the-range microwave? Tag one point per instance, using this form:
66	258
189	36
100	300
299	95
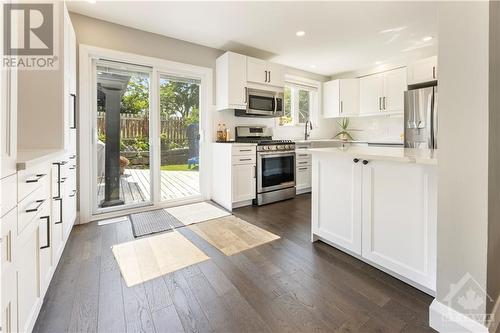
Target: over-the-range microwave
262	103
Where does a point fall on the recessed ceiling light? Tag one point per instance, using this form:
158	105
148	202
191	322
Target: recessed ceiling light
300	33
378	62
312	66
427	38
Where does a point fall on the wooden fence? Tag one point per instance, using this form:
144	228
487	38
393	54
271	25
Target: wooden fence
133	126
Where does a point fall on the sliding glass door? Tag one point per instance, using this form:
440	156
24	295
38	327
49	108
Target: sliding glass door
122	160
179	104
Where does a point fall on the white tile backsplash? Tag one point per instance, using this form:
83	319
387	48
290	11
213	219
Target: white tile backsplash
377	128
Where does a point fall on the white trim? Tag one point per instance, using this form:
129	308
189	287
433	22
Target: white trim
87	127
444	319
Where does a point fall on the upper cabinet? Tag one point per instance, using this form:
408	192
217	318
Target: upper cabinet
424	70
340	98
235	72
383	92
263	72
8	121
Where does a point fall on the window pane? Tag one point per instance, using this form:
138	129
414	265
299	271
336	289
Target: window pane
304	105
287	114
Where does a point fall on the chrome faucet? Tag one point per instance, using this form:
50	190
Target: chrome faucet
309	125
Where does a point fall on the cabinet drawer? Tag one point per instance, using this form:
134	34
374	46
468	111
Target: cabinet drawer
9	193
244	159
303	177
302	161
32	207
243	150
29	180
302	146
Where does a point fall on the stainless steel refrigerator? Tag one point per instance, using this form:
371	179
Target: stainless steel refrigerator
420	119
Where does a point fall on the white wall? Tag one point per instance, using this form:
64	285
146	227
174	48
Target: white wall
463	138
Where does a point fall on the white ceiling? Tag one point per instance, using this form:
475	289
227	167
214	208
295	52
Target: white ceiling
340	36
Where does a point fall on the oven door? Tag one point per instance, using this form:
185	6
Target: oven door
275	171
261	103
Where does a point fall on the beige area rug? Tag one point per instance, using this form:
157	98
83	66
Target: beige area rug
232	235
198	212
148	258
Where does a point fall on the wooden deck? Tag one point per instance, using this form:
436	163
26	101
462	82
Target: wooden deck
135	185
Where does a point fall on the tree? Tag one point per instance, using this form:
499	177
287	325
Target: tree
135	100
179	99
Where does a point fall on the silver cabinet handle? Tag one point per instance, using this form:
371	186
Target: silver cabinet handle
47	220
246	95
36	179
302	162
269	80
302	155
384	102
302	169
341	107
433	72
35	209
380	103
242	150
60	210
265	80
245	159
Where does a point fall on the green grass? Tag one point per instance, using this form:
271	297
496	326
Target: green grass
177	167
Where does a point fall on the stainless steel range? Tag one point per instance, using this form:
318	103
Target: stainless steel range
275	164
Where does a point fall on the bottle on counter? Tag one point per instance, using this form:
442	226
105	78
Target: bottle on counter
220	133
224	134
228	135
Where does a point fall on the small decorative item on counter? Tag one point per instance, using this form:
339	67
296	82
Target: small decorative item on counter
220	133
228	135
224	134
344	134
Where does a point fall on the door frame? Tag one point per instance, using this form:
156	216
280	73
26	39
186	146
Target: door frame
87	130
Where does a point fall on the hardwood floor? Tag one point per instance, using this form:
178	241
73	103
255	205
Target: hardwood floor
288	285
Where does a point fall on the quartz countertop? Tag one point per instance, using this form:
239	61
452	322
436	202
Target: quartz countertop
27	158
236	143
381	141
407	155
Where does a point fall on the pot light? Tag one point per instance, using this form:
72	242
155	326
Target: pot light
427	38
312	66
378	62
300	33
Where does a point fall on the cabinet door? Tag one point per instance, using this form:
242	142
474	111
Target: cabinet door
28	278
72	59
394	87
371	91
243	182
422	71
8	105
257	71
303	177
331	99
231	81
276	75
8	271
399	219
336	213
349	97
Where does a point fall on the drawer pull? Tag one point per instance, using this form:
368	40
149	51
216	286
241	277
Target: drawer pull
303	155
72	157
36	179
73	167
303	162
8	244
73	194
63	179
60	163
303	168
242	150
245	159
60	210
47	218
39	204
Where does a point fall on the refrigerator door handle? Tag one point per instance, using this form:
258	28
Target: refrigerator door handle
434	119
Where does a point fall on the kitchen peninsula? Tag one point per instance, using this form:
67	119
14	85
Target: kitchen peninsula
379	205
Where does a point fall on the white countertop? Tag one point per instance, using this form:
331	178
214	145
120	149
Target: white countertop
26	158
381	141
407	155
236	143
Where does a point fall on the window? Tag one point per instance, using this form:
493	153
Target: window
300	104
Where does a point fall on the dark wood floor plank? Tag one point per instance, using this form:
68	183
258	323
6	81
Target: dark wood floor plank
166	320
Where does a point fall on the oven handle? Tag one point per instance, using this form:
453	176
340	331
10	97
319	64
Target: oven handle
275	154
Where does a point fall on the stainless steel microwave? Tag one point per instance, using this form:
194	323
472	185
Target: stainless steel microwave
262	103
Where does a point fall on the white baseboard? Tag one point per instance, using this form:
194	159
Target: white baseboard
444	319
495	315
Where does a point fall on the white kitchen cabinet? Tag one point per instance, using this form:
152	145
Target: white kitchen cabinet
421	71
394	88
371	91
399	219
243	182
8	226
233	174
264	72
383	212
303	179
231	81
336	211
340	98
383	92
8	101
28	278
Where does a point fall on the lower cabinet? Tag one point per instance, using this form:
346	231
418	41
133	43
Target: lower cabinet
384	212
8	225
243	182
400	219
337	202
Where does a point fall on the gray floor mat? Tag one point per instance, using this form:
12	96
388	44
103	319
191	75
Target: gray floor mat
153	222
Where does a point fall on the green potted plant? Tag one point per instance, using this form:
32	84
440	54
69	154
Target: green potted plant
344	134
